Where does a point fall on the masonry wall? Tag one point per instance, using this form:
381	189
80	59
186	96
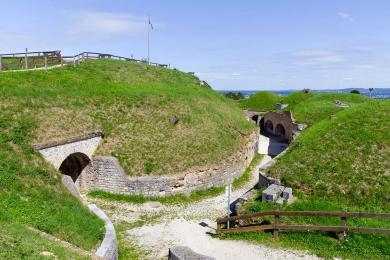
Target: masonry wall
285	119
57	153
105	173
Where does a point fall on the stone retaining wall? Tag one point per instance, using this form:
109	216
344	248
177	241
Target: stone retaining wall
105	173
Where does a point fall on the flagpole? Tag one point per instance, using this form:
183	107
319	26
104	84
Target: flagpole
149	39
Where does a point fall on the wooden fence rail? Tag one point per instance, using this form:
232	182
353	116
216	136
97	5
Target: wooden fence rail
45	59
277	226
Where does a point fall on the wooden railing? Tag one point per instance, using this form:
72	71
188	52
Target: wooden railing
277	225
46	59
29	60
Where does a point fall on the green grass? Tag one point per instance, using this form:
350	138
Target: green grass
18	242
337	164
31	192
261	101
312	108
133	104
178	198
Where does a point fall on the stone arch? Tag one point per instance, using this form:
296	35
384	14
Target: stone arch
269	126
74	164
280	130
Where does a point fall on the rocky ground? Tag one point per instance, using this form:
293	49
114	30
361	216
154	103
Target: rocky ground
164	226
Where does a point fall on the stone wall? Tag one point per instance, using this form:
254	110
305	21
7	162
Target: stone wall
57	152
284	119
105	173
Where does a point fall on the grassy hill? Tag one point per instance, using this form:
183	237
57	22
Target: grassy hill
31	195
337	164
261	101
133	104
311	108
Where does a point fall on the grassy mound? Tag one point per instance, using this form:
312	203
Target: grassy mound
31	194
338	164
313	107
262	101
133	104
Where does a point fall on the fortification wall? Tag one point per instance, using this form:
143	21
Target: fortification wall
284	119
105	173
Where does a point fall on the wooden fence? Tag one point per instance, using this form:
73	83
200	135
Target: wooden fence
46	59
278	226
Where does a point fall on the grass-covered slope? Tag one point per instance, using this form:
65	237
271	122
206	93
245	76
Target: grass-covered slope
339	163
345	159
31	194
311	108
261	101
133	104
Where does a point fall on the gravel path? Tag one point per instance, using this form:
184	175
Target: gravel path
180	225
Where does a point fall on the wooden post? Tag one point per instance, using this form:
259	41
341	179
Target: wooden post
45	61
343	222
1	63
25	60
276	222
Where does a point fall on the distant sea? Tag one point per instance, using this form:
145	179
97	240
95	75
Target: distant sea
380	93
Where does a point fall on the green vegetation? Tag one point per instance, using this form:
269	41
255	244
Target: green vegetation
262	101
31	193
179	198
355	91
339	163
234	96
313	107
307	108
133	104
17	242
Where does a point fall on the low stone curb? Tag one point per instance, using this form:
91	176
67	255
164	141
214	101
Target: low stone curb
108	250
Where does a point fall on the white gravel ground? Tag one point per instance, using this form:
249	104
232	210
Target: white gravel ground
179	225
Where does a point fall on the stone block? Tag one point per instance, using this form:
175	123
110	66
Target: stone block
185	253
287	194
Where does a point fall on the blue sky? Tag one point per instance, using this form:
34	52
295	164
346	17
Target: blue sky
279	44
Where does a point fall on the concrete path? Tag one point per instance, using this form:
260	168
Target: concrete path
271	146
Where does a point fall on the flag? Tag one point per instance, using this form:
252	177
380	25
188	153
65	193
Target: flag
151	25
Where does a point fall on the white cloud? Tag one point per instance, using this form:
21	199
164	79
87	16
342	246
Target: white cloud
346	16
316	57
107	24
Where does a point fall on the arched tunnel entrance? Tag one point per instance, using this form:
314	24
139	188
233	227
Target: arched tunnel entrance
74	164
269	126
280	131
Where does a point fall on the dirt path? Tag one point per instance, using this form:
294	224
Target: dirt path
180	225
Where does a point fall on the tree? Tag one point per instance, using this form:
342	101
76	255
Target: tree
355	91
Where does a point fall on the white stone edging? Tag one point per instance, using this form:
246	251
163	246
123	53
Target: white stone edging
109	248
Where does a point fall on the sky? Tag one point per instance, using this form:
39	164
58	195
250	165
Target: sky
240	45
